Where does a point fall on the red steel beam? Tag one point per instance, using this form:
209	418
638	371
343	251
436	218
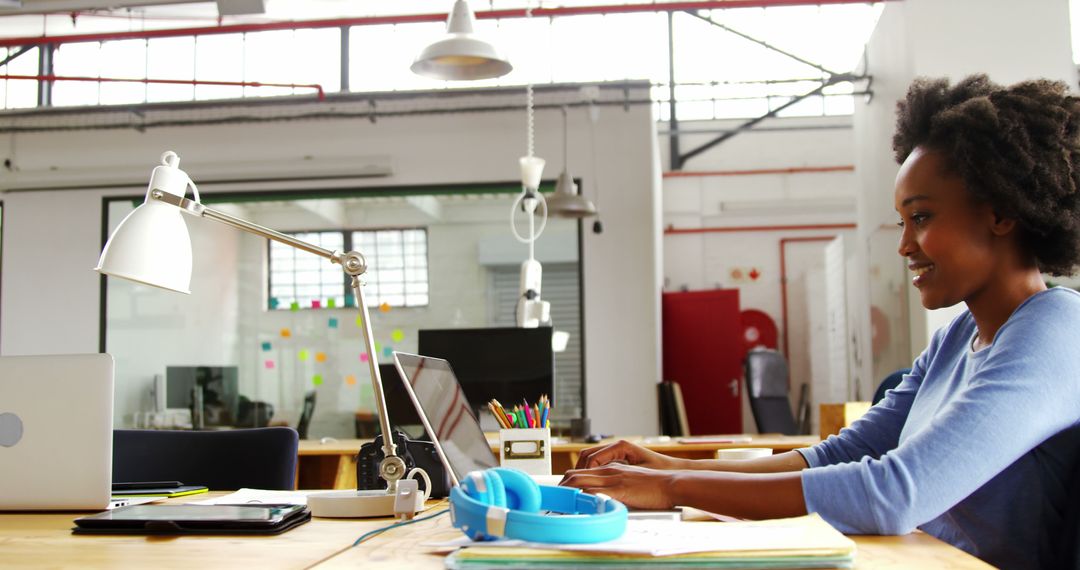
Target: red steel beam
674	231
318	88
419	18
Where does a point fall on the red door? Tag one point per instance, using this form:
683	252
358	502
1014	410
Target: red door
703	352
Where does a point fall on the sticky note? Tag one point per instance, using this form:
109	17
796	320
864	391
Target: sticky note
286	333
317	379
332	323
350	301
320	357
269	364
398	335
304	354
274	302
266	346
388	351
378	346
316	304
359	321
363	357
294	306
385	307
331	303
350	380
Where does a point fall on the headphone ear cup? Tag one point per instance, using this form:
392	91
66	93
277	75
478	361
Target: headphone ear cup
521	492
476	486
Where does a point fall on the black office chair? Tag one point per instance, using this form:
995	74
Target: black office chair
891	381
305	414
263	458
766	373
1068	543
672	410
253	413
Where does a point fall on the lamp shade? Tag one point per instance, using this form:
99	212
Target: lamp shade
566	202
151	245
461	56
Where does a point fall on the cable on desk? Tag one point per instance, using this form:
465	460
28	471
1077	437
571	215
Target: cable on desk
395	525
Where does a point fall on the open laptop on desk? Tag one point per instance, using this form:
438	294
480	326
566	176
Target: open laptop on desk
449	420
56	432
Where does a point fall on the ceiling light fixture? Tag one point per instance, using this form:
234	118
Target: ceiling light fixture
566	202
461	56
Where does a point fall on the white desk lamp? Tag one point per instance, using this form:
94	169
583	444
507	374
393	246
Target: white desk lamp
152	246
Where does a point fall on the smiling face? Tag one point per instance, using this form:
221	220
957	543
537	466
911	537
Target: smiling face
951	241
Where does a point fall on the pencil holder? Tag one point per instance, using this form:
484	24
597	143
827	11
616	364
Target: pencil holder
526	449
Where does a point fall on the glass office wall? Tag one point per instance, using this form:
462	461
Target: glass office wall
285	349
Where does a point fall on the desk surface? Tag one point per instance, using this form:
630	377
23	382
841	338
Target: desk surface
775	442
45	540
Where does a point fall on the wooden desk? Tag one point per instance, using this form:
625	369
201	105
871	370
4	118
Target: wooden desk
45	540
332	465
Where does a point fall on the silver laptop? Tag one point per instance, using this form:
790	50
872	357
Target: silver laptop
56	432
446	414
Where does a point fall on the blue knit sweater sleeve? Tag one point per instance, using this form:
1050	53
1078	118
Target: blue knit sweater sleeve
960	419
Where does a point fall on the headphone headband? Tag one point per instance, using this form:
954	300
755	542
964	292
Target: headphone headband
475	508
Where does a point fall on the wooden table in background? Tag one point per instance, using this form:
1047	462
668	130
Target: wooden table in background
39	540
332	465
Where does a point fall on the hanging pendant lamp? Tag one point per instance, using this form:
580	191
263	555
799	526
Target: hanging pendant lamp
461	56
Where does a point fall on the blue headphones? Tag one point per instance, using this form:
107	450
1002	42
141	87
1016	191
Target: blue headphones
502	502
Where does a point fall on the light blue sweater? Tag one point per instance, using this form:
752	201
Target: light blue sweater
975	448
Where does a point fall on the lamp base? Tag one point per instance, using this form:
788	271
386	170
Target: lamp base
351	504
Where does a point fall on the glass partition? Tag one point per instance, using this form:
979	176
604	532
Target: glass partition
287	323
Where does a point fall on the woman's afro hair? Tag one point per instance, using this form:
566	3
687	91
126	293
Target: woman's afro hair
1016	148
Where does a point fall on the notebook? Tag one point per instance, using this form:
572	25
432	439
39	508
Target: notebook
56	432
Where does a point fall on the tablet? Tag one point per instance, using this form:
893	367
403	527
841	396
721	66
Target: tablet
198	519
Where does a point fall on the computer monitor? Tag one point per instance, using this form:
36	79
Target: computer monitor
507	364
219	391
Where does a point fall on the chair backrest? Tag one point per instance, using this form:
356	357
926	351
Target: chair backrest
766	373
891	381
262	458
305	415
673	420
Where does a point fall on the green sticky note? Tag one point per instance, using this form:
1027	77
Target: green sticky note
304	354
359	321
331	303
398	335
294	306
317	379
378	347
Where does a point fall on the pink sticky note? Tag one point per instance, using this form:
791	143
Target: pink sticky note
269	364
363	357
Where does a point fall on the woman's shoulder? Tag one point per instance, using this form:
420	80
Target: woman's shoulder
1049	317
1055	303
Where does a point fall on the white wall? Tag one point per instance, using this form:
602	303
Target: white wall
1009	41
52	239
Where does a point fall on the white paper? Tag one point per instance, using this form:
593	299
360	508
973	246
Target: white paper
258	496
666	538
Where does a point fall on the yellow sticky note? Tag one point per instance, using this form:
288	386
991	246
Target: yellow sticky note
320	357
398	335
350	380
304	354
385	307
286	333
359	321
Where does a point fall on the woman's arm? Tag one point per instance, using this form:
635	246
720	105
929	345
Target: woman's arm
632	454
743	495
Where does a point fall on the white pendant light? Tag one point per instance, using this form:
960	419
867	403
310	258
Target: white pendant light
461	56
151	245
566	202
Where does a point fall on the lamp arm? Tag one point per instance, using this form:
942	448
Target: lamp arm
353	263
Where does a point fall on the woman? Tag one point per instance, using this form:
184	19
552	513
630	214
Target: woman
977	444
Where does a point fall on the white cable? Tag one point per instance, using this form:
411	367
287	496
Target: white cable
425	477
543	217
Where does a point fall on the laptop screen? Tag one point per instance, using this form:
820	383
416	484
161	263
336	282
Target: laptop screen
446	414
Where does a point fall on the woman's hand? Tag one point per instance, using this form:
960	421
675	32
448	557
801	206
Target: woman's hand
634	486
628	453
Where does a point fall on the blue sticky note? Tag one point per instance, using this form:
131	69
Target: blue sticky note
274	302
266	346
388	351
332	323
